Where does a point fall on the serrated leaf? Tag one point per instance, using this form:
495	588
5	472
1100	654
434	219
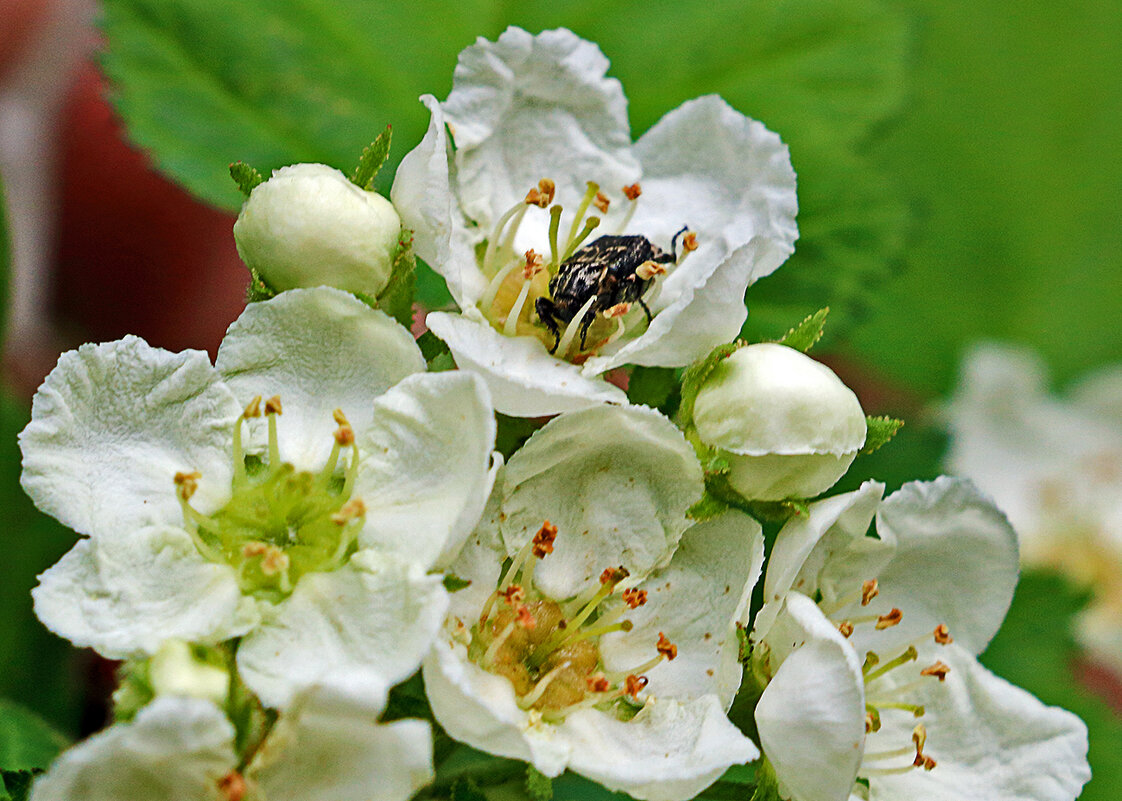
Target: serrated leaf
538	786
245	176
880	431
454	583
804	335
396	299
373	157
27	742
694	377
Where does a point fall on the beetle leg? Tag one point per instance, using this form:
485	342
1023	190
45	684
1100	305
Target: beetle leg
546	310
585	324
674	246
646	311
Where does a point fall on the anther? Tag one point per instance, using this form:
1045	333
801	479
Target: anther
533	265
689	242
351	510
665	647
273	405
541	195
889	619
274	561
649	269
919	737
526	618
872	721
601	202
634	598
939	670
869	591
345	436
253	409
543	540
514	594
598	683
633	685
632	192
614	575
340	418
871	661
232	786
846	628
188	483
928	763
943	635
618	310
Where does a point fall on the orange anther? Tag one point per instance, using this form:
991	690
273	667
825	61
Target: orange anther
634	598
634	684
890	619
665	647
543	540
632	192
614	575
869	591
939	670
689	242
943	634
598	683
273	405
601	202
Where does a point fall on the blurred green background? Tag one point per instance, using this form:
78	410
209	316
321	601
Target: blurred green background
959	178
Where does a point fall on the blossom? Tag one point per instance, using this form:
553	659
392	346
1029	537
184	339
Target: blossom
786	424
327	747
607	645
536	125
878	679
310	226
304	524
1055	466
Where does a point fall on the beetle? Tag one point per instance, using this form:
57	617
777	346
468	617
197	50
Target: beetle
607	269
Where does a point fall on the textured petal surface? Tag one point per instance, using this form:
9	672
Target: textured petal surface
529	107
124	596
373	614
111	426
992	742
811	716
425	469
616	481
524	380
320	350
480	560
696	601
670	751
176	749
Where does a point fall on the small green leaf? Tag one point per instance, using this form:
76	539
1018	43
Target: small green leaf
881	430
538	786
396	299
694	377
708	507
804	335
454	583
27	742
373	157
246	177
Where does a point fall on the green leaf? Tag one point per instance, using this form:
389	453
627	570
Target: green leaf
15	785
373	157
454	583
27	742
804	335
652	386
431	346
881	430
246	177
767	786
396	299
538	786
694	377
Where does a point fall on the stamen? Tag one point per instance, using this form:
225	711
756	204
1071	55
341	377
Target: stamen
514	595
492	291
273	405
618	310
889	619
666	648
496	235
634	598
496	644
631	193
649	269
510	325
554	224
872	659
689	244
589	194
872	720
916	709
614	575
846	628
188	483
543	540
531	698
507	243
599	629
351	510
525	617
506	580
909	655
633	685
253	408
340	418
939	670
351	476
232	786
873	756
887	771
943	635
589	225
272	409
869	591
533	264
598	683
345	435
571	330
601	202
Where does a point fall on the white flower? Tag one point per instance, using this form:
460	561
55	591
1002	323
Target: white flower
878	680
787	425
327	747
533	118
608	645
309	226
1055	466
309	536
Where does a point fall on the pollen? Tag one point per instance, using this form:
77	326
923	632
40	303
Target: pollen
943	634
689	242
514	594
869	591
188	483
614	575
665	647
632	192
345	435
253	409
872	721
846	628
889	619
601	202
634	598
273	405
939	670
541	195
633	685
598	683
649	269
543	540
533	265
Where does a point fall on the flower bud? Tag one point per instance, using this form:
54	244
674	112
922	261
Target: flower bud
175	670
788	426
310	226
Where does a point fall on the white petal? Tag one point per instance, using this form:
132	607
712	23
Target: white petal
530	107
696	601
524	380
319	349
955	563
126	595
424	471
992	741
426	200
616	481
811	716
1100	393
111	426
372	614
330	747
176	749
480	709
670	751
480	560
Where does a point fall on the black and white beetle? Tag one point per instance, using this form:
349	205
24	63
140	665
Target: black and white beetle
607	270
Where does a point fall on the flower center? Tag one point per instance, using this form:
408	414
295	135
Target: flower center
576	301
280	523
549	650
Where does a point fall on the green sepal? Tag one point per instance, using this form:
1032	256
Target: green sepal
655	387
538	786
779	511
396	299
880	431
743	645
15	785
373	157
454	583
245	176
258	290
27	742
694	377
767	786
707	508
134	689
804	335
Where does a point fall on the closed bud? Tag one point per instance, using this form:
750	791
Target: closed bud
310	226
176	670
788	426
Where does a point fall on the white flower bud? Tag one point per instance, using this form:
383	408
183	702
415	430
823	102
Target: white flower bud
174	670
310	226
789	426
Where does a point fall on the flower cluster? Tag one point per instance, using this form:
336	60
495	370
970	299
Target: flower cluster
273	542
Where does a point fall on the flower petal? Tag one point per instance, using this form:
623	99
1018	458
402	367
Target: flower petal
529	107
319	349
481	559
176	749
992	741
696	602
524	380
426	200
111	426
373	614
670	751
811	716
424	471
126	595
330	747
616	481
